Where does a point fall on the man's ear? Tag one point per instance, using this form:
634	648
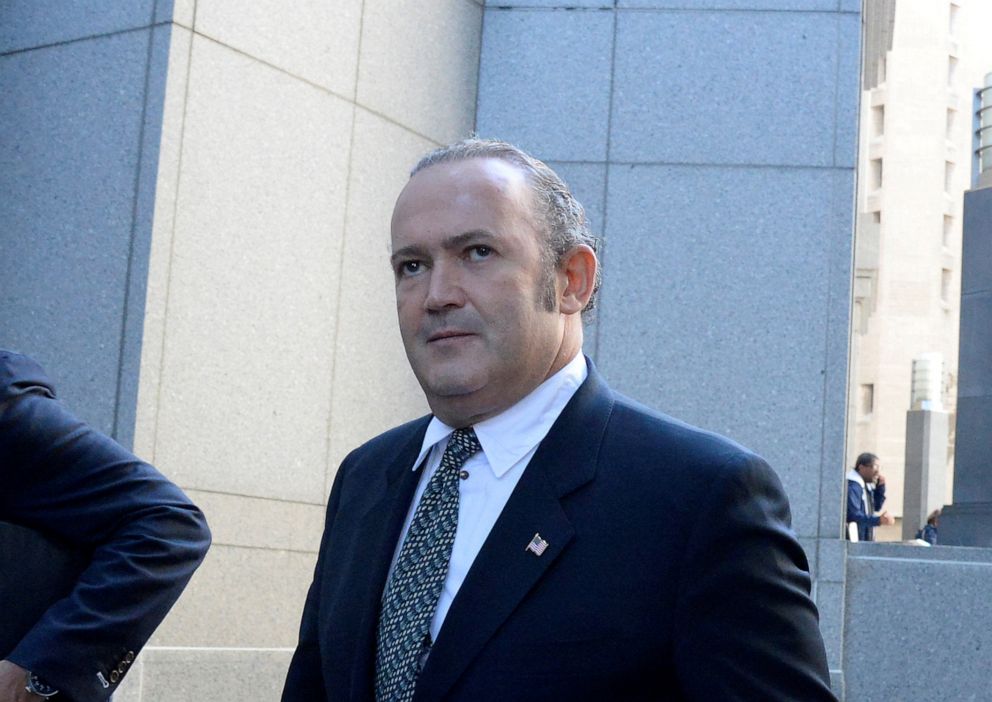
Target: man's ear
577	274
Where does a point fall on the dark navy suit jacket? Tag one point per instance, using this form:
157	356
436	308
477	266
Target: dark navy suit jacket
139	537
856	508
671	573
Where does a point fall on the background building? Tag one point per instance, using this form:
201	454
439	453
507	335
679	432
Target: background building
194	226
923	62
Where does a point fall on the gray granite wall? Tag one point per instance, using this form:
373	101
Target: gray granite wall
714	144
81	119
973	472
968	522
917	623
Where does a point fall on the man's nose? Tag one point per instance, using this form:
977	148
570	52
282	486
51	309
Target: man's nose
444	288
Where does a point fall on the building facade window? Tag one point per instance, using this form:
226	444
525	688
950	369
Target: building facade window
866	400
945	286
878	120
876	173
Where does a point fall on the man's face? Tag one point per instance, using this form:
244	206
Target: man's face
467	260
870	472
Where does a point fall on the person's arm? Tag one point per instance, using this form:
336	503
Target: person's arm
63	478
879	493
746	628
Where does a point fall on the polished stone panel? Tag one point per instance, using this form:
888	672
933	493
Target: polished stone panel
973	451
968	522
976	243
412	67
925	479
159	255
313	39
255	522
587	182
544	82
559	4
245	388
800	5
70	162
830	603
689	324
25	24
241	597
141	234
929	609
975	360
848	90
708	102
836	350
832	560
182	674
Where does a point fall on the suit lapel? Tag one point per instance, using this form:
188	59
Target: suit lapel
505	571
379	526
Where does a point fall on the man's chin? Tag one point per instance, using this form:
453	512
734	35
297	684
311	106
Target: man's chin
452	389
453	399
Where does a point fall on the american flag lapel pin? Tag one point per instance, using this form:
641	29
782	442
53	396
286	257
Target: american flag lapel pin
537	545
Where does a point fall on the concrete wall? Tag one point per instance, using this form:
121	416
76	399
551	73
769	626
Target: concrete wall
270	342
82	118
974	482
917	623
723	181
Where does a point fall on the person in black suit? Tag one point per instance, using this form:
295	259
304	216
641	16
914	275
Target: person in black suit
140	539
539	536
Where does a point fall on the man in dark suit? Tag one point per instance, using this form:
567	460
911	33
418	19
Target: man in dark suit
540	537
136	536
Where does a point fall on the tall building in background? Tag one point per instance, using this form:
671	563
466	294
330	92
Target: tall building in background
922	64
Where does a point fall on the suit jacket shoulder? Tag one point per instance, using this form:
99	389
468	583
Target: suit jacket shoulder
634	425
676	467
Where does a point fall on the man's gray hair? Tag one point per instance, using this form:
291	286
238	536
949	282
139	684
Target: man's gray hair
563	216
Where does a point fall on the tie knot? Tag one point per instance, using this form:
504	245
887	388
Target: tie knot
462	444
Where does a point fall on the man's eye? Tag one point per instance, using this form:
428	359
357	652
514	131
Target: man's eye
477	253
409	268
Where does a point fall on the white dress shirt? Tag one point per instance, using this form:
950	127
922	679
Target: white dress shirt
509	440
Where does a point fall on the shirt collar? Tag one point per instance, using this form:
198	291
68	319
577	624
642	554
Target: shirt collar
856	477
511	434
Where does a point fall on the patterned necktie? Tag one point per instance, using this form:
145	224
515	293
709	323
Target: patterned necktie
418	576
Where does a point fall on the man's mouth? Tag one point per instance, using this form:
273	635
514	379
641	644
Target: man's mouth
445	334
